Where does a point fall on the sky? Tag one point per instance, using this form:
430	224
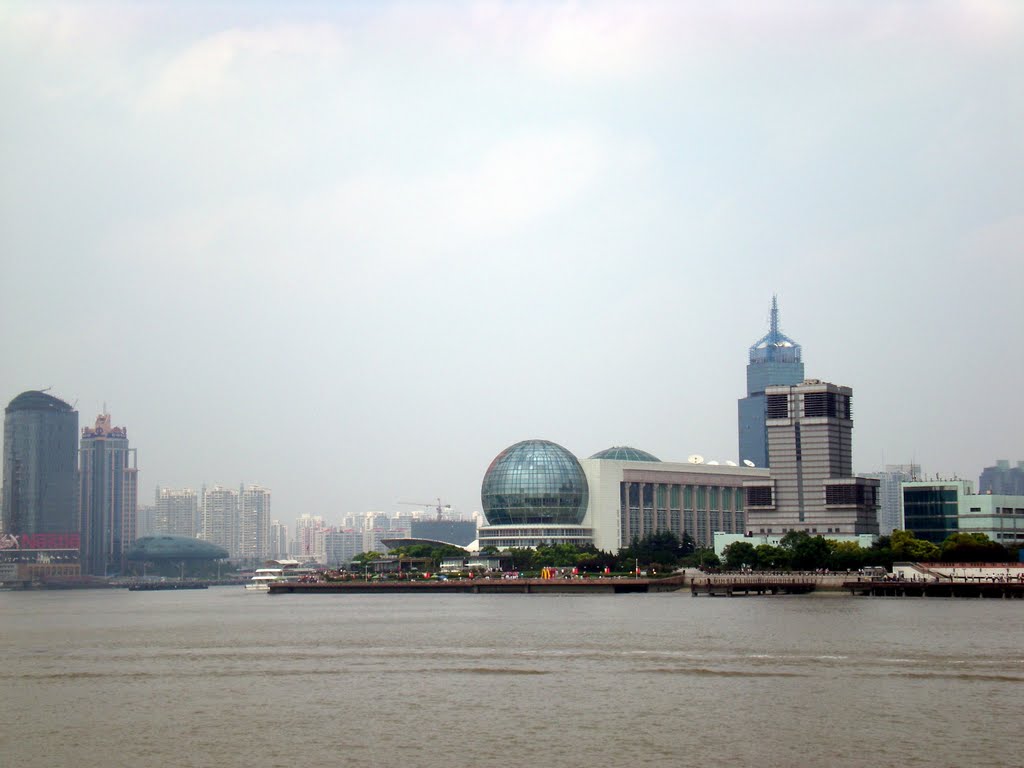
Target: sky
351	251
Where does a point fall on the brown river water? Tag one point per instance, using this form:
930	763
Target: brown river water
222	677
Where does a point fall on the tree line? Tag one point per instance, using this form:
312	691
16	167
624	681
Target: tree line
802	551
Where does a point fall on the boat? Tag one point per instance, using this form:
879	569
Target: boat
260	582
150	586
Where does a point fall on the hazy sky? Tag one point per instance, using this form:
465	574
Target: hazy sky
351	251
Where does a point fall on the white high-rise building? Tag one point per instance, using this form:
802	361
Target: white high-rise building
891	495
278	540
176	510
308	544
341	547
220	518
254	523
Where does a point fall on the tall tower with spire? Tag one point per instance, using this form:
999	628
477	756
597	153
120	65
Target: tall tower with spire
774	360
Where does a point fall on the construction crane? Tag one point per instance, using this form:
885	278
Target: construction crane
439	506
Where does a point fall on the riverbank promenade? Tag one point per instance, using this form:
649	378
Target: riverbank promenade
595	585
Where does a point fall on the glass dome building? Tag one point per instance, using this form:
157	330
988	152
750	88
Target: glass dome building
625	453
534	482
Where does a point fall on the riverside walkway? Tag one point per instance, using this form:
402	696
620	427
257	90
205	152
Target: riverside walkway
730	586
908	588
576	586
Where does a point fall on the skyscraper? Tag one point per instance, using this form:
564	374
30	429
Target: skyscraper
811	486
774	360
254	523
40	475
109	496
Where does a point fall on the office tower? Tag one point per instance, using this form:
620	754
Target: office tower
108	497
890	496
220	518
176	511
811	486
253	523
40	475
1002	479
774	360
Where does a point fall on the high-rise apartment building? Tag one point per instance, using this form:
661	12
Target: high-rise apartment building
309	536
176	511
108	496
40	475
278	540
220	518
254	523
890	497
341	546
811	486
1002	479
775	359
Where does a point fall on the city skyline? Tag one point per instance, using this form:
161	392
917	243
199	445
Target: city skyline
350	253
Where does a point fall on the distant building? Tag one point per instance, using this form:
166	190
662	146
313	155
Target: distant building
145	521
811	486
775	359
890	498
1003	479
341	546
254	523
220	518
278	540
309	542
109	497
934	509
176	511
40	474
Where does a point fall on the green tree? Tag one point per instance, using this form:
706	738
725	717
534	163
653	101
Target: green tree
740	554
771	558
905	546
807	552
973	548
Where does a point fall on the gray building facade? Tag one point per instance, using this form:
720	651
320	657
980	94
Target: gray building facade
1002	479
775	359
40	473
811	486
109	497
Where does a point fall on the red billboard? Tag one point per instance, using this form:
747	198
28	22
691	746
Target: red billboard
40	541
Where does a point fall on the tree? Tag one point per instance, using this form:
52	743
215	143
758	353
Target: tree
973	548
905	546
771	558
806	552
740	554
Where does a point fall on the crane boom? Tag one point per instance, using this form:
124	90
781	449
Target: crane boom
437	504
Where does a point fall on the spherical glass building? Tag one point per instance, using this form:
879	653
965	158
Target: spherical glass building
624	453
535	482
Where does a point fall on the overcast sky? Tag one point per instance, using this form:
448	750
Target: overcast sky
351	251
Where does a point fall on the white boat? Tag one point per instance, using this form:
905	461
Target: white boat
260	582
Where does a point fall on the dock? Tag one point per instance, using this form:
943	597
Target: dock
751	585
573	586
944	588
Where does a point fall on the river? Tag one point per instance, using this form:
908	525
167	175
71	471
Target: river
222	677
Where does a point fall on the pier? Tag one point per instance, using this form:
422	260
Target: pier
573	586
730	586
905	588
